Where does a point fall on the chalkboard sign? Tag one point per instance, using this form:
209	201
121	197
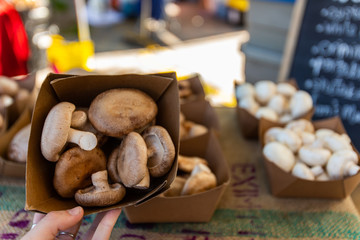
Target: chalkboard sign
323	55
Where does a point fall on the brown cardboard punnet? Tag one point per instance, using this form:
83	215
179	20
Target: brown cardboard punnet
196	88
283	184
10	168
193	208
200	111
81	90
249	124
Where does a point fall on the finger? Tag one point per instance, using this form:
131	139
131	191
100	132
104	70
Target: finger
37	217
56	221
72	230
103	225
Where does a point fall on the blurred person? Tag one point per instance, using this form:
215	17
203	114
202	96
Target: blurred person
14	46
65	224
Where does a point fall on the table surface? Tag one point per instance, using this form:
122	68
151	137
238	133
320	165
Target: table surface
247	210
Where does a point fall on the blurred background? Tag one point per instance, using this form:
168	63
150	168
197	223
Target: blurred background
208	37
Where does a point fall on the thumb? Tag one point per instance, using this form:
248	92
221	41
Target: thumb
56	221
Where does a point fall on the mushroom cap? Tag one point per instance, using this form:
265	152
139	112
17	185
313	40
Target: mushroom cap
314	156
337	166
286	89
300	170
264	90
112	166
245	90
18	147
159	143
267	113
278	103
200	180
132	159
101	193
280	155
8	86
249	104
187	164
300	103
290	139
117	112
74	169
56	130
301	125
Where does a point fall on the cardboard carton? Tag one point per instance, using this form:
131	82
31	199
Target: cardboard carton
249	124
15	119
81	90
200	111
283	184
10	168
196	88
193	208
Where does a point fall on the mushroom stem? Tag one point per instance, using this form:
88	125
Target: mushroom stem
78	119
100	180
86	140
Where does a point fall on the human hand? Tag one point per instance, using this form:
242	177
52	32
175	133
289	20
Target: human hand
65	224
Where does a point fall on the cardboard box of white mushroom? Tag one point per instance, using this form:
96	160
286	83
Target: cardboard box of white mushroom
277	102
325	164
44	192
197	207
191	88
197	117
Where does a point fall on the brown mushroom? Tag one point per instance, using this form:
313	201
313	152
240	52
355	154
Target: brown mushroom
200	180
57	132
128	161
117	112
175	187
187	164
74	169
160	150
18	147
101	193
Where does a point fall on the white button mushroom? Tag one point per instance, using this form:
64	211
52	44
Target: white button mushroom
290	139
323	132
314	156
306	138
278	103
301	125
245	90
323	177
300	103
285	118
267	113
342	163
286	89
300	170
317	170
280	155
271	134
249	104
336	143
264	90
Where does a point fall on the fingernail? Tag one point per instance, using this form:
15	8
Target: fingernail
74	211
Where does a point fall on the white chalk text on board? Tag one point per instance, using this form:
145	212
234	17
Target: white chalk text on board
326	59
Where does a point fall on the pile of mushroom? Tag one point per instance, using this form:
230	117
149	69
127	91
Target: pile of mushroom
120	119
194	176
189	129
310	154
277	102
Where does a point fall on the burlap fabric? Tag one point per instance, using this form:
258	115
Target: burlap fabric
246	211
